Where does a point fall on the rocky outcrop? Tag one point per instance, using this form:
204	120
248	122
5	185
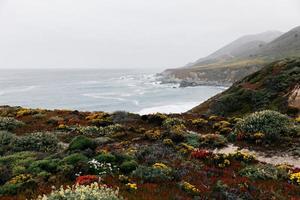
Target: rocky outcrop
218	76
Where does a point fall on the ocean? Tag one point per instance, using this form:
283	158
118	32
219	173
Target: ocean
132	90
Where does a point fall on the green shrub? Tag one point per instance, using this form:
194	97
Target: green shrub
9	189
15	164
192	139
46	165
128	166
200	122
18	184
271	123
7	139
18	159
150	174
75	158
40	141
264	172
177	133
81	143
106	157
9	123
213	140
170	122
120	157
222	191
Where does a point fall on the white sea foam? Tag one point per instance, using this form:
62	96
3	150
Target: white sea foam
173	108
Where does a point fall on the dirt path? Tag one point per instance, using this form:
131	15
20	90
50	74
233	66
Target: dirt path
262	156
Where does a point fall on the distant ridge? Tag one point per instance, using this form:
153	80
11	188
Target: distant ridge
238	59
242	46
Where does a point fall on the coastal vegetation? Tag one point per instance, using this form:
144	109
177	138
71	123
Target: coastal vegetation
65	154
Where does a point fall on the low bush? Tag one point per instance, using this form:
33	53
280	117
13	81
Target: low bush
168	142
242	156
189	188
270	123
193	140
153	134
81	143
221	124
213	140
18	184
40	141
221	160
200	122
18	158
9	123
178	133
222	191
75	158
7	140
46	165
264	172
128	166
106	157
151	154
151	174
26	111
9	189
185	148
170	122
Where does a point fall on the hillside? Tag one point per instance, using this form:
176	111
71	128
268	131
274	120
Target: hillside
276	86
242	46
238	59
286	45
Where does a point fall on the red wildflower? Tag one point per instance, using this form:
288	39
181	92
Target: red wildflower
200	154
85	180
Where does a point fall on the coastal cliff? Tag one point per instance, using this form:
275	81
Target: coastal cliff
238	59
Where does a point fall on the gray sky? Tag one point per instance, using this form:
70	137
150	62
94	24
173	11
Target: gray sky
130	33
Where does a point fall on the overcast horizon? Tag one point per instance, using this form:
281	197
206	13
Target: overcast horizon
108	34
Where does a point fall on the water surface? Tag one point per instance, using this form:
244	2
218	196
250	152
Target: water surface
106	90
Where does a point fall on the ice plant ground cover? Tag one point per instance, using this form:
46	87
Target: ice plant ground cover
97	155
